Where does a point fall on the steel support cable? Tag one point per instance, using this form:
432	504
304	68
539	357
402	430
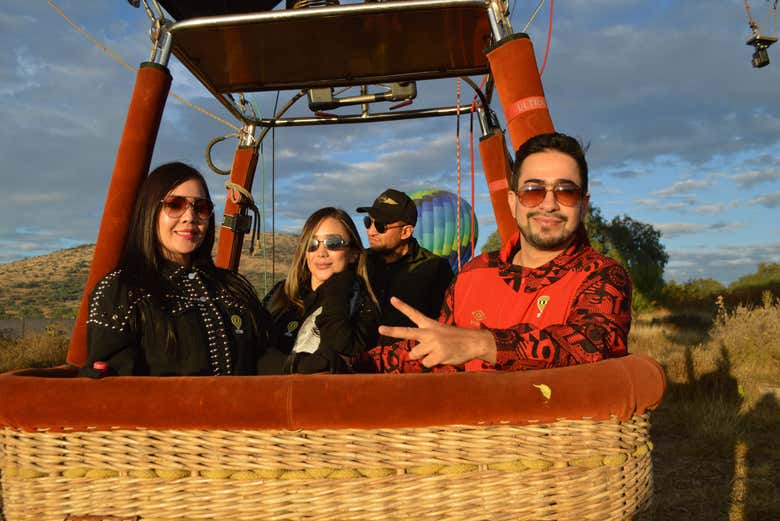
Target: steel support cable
261	215
133	69
273	195
478	94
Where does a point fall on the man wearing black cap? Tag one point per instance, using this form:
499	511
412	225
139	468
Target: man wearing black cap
397	265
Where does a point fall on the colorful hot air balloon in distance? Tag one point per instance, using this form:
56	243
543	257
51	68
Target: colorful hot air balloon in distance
437	225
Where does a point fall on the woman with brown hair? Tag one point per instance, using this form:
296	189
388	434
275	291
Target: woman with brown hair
167	309
324	312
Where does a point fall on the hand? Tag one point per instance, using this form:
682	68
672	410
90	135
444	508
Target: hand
340	283
440	343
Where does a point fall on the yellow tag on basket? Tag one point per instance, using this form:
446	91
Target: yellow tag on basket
236	321
544	389
541	303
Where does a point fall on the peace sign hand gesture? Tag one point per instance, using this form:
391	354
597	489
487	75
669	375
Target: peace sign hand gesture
440	343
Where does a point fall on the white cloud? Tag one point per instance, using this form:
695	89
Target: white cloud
756	177
769	200
710	209
683	187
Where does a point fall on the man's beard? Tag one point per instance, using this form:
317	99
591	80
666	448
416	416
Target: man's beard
546	241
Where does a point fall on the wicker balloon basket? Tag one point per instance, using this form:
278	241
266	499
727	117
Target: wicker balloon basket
511	451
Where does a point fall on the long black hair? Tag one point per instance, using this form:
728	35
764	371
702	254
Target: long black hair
142	259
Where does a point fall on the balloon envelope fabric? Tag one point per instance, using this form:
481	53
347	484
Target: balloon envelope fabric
437	225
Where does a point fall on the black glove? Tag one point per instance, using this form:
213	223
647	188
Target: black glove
307	363
336	293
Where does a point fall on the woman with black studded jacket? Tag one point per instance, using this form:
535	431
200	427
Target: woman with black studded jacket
167	309
324	313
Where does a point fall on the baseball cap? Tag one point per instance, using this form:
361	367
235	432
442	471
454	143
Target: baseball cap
391	206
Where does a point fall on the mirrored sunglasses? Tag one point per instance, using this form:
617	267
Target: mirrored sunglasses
331	243
566	194
175	205
379	226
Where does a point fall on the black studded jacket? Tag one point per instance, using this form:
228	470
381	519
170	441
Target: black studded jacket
129	330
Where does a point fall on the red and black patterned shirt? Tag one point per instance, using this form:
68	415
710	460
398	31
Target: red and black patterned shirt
575	309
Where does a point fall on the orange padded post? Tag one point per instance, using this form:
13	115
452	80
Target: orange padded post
519	86
231	241
131	167
497	168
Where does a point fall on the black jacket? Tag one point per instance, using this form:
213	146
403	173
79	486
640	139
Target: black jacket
419	278
345	326
128	329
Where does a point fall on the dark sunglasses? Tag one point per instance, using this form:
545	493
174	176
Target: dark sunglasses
175	205
380	227
532	194
331	243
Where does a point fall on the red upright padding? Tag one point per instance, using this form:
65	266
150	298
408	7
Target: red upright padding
519	86
495	163
242	174
132	165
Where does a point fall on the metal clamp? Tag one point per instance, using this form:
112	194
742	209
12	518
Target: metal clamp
239	223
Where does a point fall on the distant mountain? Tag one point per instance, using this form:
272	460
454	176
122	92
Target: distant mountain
51	285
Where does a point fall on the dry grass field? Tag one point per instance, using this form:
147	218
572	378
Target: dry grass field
715	433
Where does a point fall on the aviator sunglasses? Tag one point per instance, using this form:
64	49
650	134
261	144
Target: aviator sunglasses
331	243
380	227
175	205
532	194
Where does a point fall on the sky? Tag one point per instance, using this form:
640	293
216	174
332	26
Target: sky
684	133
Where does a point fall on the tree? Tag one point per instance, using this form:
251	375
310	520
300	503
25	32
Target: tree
695	292
492	243
634	244
767	273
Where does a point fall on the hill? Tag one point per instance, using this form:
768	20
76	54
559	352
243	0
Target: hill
50	286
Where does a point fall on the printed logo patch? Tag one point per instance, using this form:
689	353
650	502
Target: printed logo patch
541	303
236	321
291	327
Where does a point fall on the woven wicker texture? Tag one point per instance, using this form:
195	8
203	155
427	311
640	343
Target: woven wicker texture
570	469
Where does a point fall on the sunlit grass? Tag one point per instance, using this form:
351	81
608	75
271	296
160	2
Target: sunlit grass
40	350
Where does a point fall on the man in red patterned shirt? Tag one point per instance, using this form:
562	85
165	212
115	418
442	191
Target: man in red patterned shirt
546	299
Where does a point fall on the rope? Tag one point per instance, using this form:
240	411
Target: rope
751	21
549	38
248	202
133	69
471	160
533	15
214	168
457	153
772	14
754	26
